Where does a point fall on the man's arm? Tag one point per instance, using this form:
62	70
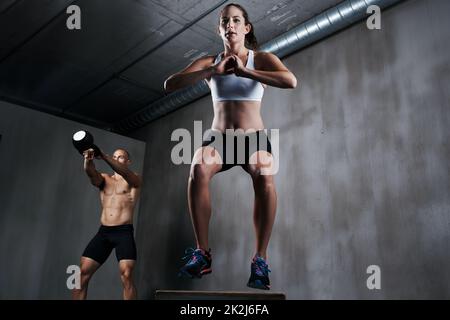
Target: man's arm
96	178
132	178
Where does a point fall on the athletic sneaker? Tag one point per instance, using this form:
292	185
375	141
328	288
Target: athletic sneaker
198	265
259	277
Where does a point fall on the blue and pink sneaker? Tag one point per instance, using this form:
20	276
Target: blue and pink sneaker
198	265
259	277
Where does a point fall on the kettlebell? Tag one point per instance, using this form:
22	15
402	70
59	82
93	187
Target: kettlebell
83	140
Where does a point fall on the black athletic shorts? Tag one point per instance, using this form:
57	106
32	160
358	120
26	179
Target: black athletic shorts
237	148
109	237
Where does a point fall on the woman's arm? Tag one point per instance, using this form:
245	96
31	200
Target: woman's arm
198	70
270	71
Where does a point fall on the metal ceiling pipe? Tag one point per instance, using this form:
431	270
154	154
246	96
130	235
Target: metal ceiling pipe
328	22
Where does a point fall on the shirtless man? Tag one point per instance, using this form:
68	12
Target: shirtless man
118	194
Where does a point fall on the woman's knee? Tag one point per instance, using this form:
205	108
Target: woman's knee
201	172
262	162
205	164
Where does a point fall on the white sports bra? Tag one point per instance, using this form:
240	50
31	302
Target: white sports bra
232	87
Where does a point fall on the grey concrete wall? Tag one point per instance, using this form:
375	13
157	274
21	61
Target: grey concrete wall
364	172
48	209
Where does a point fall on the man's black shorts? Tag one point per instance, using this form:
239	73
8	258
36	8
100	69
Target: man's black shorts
109	237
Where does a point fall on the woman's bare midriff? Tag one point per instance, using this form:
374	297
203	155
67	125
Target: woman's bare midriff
237	114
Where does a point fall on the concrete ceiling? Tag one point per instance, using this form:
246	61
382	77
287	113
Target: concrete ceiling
117	63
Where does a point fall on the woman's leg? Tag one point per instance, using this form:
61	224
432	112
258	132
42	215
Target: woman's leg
265	204
206	163
263	215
